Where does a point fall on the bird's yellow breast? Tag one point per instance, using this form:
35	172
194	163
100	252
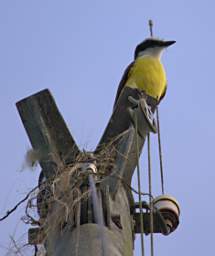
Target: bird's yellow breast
148	75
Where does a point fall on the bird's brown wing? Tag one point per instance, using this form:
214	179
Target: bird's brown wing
122	83
163	94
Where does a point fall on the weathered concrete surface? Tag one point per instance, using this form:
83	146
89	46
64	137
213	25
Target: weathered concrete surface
88	238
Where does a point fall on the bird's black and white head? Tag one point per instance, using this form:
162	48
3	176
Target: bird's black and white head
151	47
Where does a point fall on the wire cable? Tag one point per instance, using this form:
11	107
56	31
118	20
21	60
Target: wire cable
139	188
150	199
158	126
160	151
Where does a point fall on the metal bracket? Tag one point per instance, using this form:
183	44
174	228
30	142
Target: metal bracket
165	221
141	110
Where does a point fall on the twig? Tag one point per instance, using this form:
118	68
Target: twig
35	250
18	204
18	250
30	219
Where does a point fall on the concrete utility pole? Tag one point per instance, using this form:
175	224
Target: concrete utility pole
85	202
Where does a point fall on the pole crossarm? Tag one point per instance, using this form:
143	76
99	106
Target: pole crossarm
120	133
47	131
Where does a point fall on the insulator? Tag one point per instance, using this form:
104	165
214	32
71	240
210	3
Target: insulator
170	210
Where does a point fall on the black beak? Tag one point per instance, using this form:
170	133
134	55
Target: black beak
168	43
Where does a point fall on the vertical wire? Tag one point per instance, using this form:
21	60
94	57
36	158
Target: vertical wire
160	151
78	219
158	126
139	189
150	198
150	176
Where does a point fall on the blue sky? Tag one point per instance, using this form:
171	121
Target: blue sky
79	49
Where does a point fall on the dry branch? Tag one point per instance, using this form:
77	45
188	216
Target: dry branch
18	204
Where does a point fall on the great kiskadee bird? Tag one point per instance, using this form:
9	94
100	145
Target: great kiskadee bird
146	73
